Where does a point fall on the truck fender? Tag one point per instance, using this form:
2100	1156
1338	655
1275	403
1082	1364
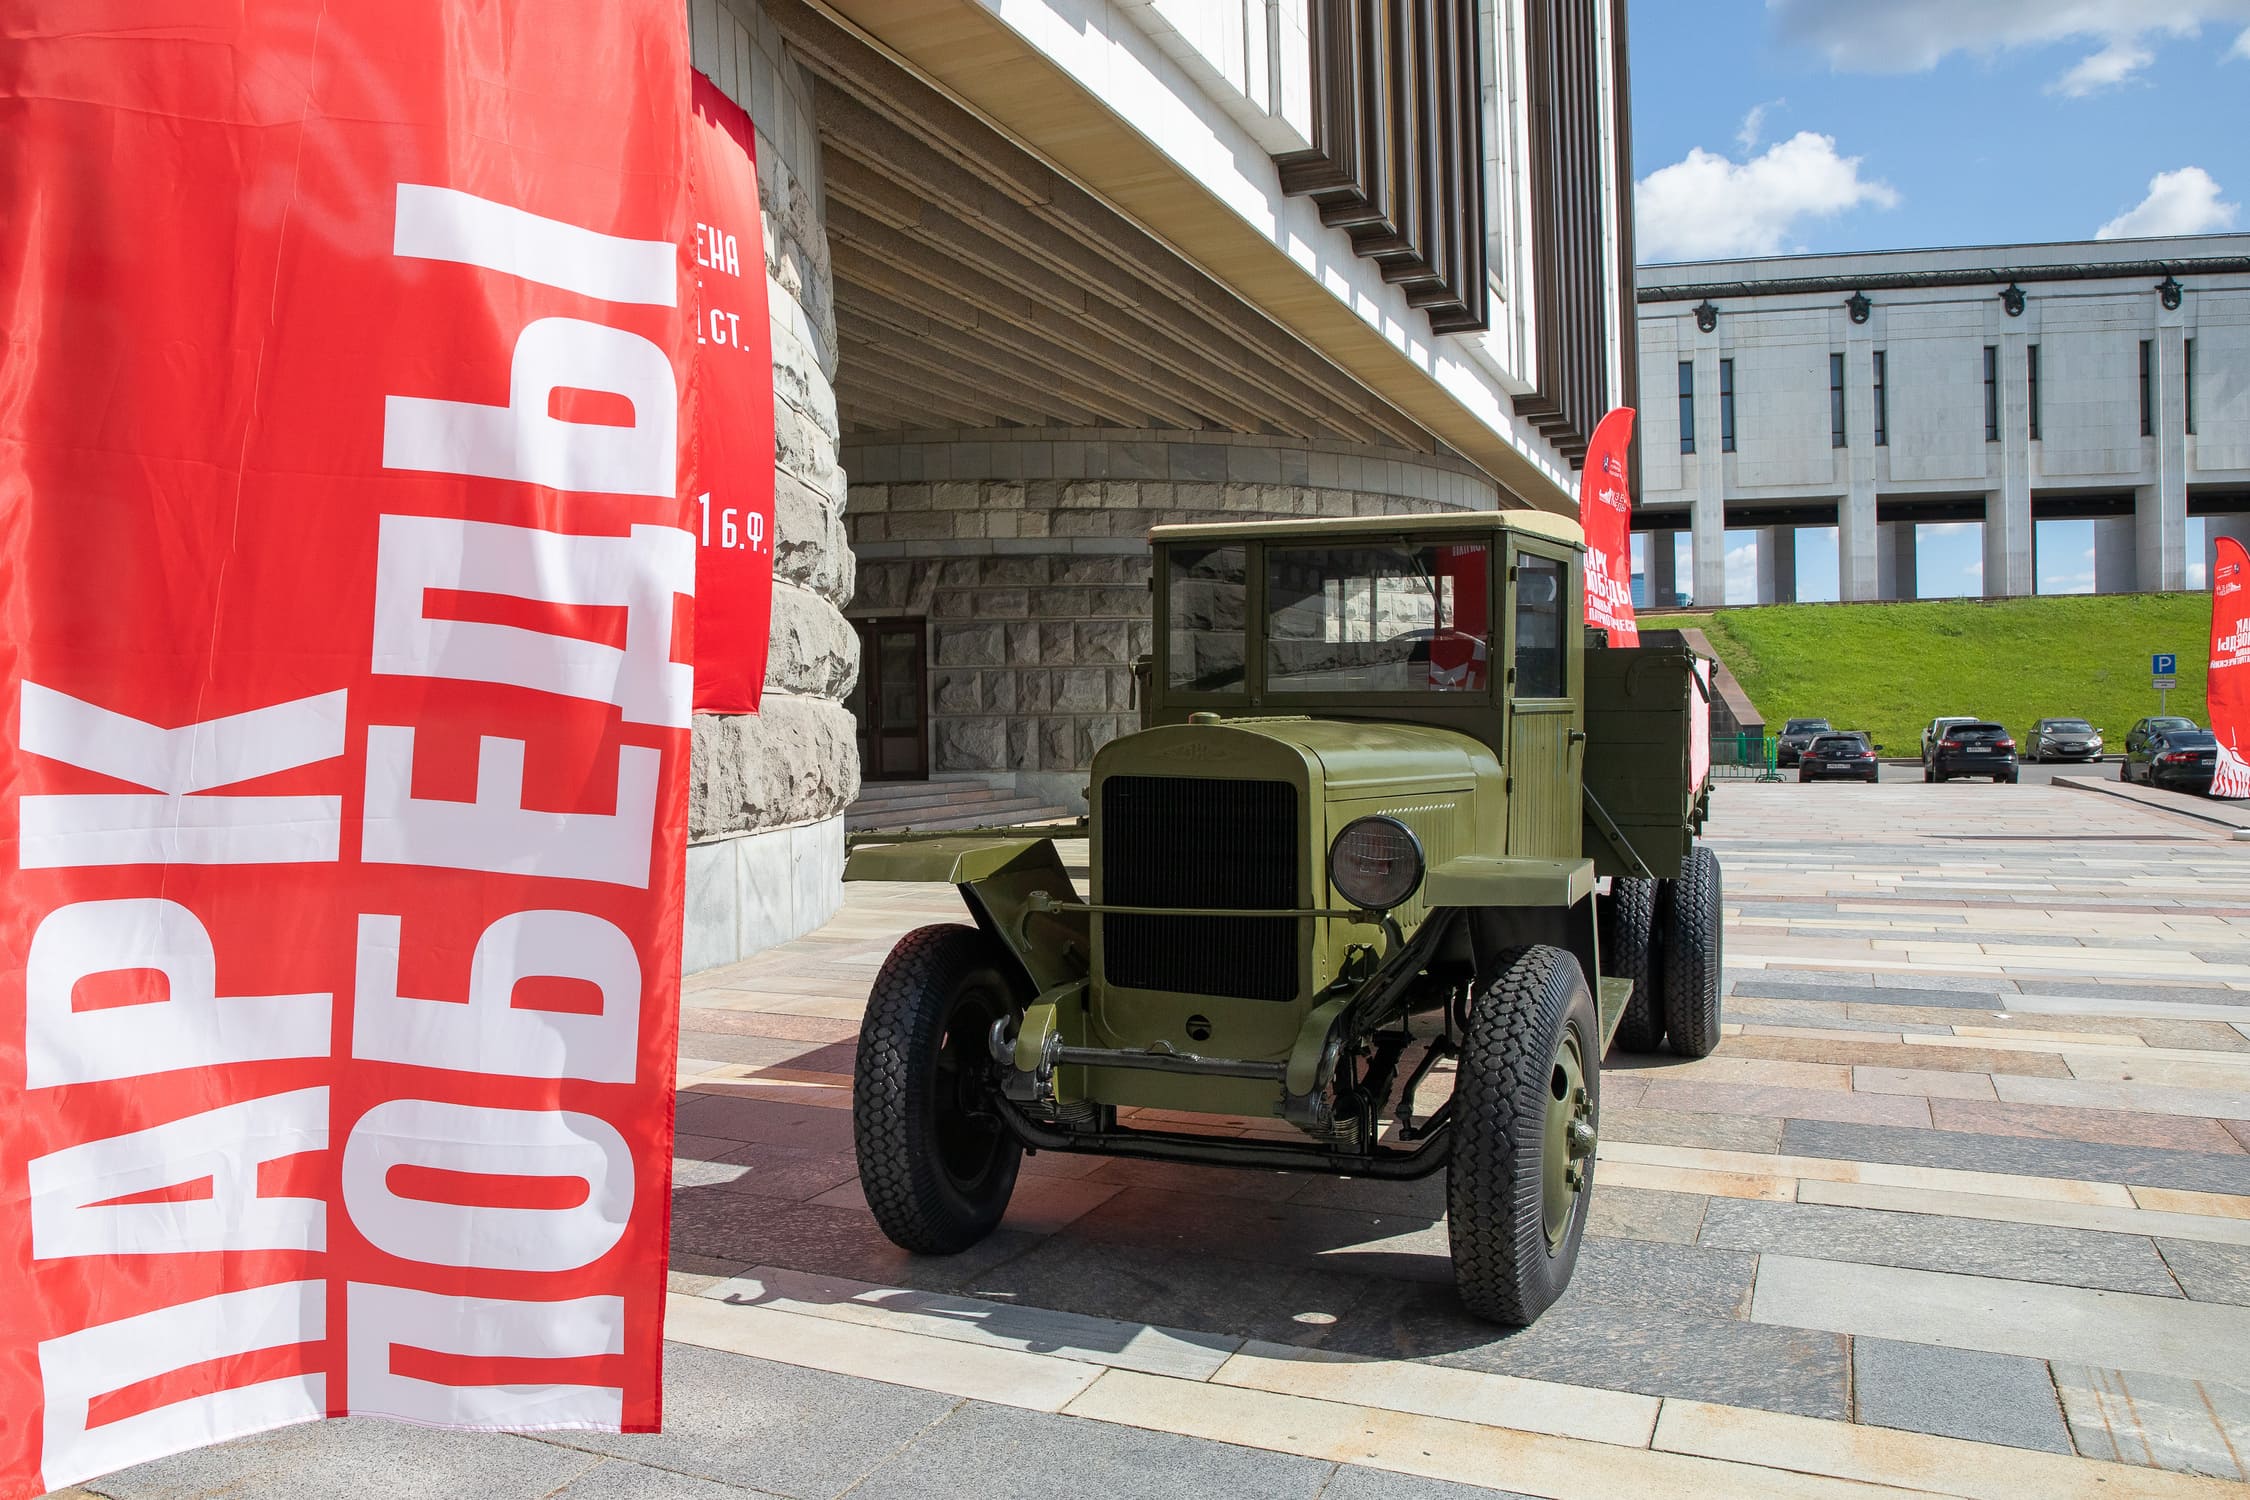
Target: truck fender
1474	880
997	878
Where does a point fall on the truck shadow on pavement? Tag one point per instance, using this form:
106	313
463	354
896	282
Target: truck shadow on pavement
1095	1253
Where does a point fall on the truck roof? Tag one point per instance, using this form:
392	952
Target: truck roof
1532	522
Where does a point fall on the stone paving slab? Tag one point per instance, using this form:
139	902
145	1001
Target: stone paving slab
2165	1421
1961	1393
2022	1155
2211	1272
353	1460
2023	1252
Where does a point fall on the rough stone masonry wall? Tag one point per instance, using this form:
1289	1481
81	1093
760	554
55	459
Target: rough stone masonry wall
767	791
1027	551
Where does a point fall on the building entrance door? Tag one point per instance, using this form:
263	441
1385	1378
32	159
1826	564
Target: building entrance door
891	702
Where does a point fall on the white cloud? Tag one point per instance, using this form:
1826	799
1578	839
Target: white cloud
1910	36
1707	206
2106	69
2182	202
1754	123
1742	574
2241	46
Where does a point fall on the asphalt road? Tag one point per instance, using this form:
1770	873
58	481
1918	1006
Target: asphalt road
2030	774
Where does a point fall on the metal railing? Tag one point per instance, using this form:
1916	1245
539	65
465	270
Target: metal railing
1745	757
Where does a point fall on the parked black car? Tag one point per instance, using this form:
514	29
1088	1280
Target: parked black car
1795	736
2181	760
1834	756
1978	749
2063	739
2144	730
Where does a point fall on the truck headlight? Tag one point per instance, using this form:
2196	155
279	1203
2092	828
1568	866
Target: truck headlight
1375	863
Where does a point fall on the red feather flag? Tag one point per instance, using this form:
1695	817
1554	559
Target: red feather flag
346	588
2228	691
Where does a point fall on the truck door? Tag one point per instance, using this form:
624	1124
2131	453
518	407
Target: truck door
1544	734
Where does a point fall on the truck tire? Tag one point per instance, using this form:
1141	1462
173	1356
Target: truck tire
1690	936
1628	943
936	1162
1527	1100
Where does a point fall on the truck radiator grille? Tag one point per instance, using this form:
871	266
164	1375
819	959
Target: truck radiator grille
1200	842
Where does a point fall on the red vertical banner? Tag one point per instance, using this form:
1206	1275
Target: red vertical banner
1605	511
346	588
734	421
2228	690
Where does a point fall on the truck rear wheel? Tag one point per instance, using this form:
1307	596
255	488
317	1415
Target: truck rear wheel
936	1163
1628	951
1526	1104
1690	935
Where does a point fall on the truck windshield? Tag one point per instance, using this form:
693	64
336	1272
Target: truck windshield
1378	617
1208	588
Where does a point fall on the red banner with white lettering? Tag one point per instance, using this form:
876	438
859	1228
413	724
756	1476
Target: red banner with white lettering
2227	691
734	399
1605	511
346	577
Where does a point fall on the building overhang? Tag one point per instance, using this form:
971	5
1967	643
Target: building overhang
988	65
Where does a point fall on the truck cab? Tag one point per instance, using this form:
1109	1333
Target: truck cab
1394	857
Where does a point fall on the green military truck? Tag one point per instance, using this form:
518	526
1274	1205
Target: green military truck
1347	882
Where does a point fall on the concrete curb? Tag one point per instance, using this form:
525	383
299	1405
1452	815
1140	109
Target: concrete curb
2234	817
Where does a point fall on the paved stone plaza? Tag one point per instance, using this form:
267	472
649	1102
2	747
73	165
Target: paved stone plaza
1961	1206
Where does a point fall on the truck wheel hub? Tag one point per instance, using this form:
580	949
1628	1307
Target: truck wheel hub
1569	1140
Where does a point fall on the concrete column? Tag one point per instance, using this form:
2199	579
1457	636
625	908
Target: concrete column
2008	560
1777	565
1707	547
1663	569
1857	568
1706	475
1900	561
2116	564
2161	508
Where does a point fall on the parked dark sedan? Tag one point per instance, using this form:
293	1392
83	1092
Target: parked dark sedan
1838	755
2063	739
1795	736
2181	760
2144	730
1979	749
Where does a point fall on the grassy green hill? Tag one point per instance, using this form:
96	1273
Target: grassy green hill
1891	668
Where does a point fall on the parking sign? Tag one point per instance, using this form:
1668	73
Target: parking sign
2163	664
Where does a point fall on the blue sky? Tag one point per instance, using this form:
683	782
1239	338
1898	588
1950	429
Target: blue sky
1772	127
1775	126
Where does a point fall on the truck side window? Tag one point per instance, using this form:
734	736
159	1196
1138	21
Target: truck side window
1207	589
1539	634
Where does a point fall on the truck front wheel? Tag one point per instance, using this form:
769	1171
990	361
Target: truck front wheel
1527	1101
935	1162
1690	934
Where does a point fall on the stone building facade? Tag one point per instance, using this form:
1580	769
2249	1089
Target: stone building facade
767	791
1999	386
1037	587
1045	273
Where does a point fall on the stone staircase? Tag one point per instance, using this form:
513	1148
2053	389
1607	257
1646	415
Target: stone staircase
893	806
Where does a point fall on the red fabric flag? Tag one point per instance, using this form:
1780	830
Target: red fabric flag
346	582
734	398
1605	510
2228	689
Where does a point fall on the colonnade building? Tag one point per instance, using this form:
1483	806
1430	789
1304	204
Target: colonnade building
2004	387
1046	273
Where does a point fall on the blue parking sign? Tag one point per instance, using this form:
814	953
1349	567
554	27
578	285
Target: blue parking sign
2162	663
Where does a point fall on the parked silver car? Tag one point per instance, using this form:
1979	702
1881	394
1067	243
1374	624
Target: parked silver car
2063	739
